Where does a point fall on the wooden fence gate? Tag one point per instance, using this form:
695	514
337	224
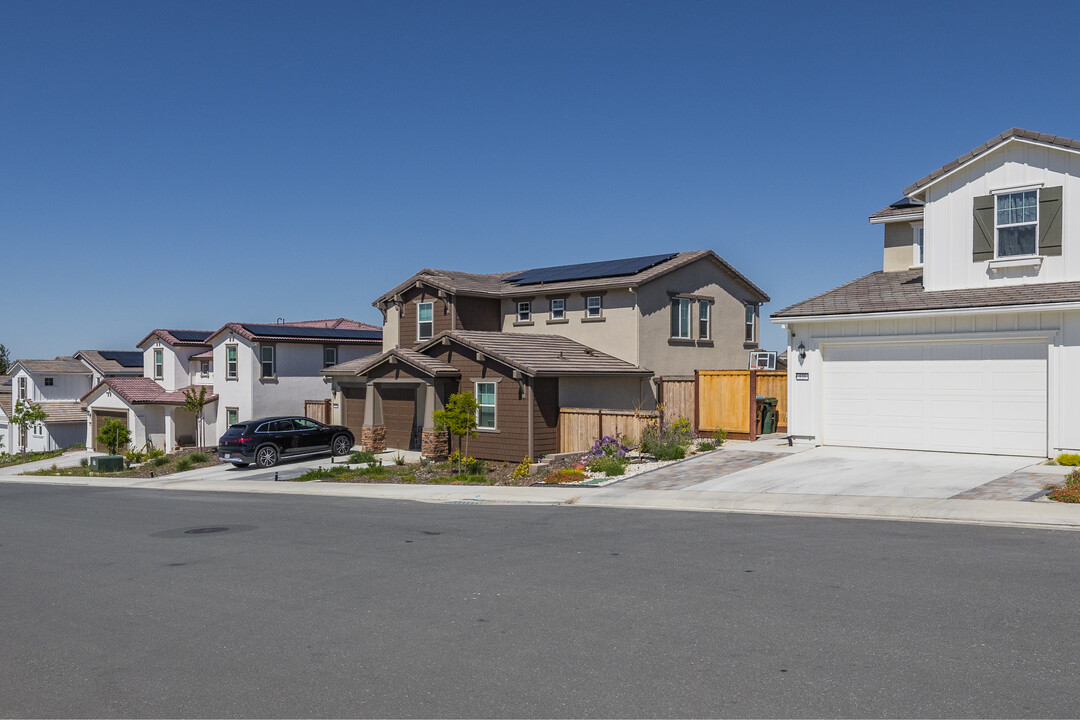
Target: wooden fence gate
727	399
318	410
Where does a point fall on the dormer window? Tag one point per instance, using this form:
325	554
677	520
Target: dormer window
22	388
1017	223
159	364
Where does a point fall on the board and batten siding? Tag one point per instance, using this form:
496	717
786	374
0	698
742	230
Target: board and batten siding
1059	330
948	217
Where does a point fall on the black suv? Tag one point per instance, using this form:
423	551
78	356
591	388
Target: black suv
267	440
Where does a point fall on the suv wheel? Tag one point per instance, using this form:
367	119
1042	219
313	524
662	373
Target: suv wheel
267	456
341	445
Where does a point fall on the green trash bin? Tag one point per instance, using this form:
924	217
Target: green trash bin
768	423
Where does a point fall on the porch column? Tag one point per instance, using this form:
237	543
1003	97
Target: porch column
433	443
373	433
170	430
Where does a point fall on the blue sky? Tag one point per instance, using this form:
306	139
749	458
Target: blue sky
184	164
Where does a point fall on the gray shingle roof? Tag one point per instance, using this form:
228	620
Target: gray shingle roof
495	285
903	292
899	209
63	412
108	366
967	157
544	355
364	365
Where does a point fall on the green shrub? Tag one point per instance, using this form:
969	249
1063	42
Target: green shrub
154	453
199	457
361	457
670	443
134	456
669	452
1067	459
399	459
522	470
719	437
706	446
160	461
84	461
610	466
184	463
1072	480
475	466
320	473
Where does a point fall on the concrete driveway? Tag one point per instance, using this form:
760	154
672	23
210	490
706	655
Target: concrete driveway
869	472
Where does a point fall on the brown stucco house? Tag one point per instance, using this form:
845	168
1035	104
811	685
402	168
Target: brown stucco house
528	343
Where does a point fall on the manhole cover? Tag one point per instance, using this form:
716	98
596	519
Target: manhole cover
201	531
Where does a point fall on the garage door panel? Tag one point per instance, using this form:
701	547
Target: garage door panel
987	397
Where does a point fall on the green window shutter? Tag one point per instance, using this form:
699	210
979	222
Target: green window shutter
982	246
1050	221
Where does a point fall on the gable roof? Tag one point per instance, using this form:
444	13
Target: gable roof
538	355
424	363
1010	134
501	284
59	366
179	338
142	390
903	291
903	209
338	332
113	362
63	412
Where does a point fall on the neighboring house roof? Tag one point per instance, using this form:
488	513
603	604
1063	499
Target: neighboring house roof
1012	133
113	362
179	338
539	355
902	209
903	292
349	332
60	365
204	355
610	274
5	395
63	412
364	365
142	390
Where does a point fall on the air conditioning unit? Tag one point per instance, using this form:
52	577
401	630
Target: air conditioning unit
763	360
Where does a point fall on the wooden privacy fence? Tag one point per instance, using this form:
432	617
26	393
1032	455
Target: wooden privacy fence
678	397
579	428
727	399
318	410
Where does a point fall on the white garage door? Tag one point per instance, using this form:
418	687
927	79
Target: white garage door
980	397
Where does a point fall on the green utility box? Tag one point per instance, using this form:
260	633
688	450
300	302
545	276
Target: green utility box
107	463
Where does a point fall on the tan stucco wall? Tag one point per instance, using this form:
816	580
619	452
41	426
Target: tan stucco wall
614	334
899	247
727	350
390	328
608	393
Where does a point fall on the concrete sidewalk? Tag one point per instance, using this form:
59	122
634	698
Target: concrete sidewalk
68	459
1047	515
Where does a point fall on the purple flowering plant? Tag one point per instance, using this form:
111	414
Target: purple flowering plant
606	447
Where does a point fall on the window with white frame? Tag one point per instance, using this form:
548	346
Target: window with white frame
1017	223
159	364
485	405
751	323
558	309
524	311
231	362
594	306
917	244
48	382
425	320
39	430
680	318
266	360
329	356
22	388
704	320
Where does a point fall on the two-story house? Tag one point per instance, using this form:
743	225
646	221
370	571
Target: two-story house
528	343
5	410
273	369
56	385
151	403
968	338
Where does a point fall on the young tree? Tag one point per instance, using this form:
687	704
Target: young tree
459	417
114	435
5	360
26	415
195	402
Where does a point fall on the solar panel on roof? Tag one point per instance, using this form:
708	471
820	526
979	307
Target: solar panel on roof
313	332
125	358
190	335
588	271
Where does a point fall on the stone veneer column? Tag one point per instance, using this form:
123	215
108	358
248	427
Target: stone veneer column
373	439
435	443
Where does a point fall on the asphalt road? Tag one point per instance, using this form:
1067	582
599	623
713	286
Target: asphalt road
342	607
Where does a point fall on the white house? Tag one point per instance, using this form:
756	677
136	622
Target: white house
151	403
274	369
968	339
5	410
56	385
